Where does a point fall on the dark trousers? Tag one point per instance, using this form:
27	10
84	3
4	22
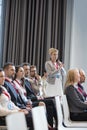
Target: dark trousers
78	116
51	110
29	120
2	121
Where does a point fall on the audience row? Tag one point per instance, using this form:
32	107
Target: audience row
23	91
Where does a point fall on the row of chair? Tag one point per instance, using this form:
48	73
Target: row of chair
17	120
3	128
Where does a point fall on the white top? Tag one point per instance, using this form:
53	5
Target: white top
21	89
6	105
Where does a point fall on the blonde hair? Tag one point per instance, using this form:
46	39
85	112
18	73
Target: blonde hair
51	50
70	79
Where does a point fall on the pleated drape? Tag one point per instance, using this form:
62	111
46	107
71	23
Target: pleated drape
31	28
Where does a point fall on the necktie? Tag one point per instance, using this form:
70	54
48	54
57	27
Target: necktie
82	92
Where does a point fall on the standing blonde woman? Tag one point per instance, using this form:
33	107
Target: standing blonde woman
55	72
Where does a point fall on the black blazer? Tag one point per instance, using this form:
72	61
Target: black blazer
30	94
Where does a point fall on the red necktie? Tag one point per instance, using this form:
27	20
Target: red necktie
82	92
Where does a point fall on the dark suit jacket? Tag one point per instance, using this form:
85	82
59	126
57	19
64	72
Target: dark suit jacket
75	99
15	97
30	94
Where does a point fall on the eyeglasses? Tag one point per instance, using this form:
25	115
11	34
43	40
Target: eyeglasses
33	71
2	76
83	75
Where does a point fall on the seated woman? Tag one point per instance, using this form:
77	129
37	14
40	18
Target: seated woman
76	101
6	105
19	83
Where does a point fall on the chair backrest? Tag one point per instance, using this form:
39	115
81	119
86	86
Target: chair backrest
67	121
39	118
3	127
60	89
59	110
66	112
16	121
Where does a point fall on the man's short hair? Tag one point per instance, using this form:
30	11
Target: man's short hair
6	65
1	69
25	64
32	66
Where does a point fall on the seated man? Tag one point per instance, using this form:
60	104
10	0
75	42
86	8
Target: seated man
35	81
26	67
82	80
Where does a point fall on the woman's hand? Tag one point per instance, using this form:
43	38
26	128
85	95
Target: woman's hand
60	65
24	111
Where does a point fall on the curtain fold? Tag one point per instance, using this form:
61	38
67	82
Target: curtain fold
31	28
